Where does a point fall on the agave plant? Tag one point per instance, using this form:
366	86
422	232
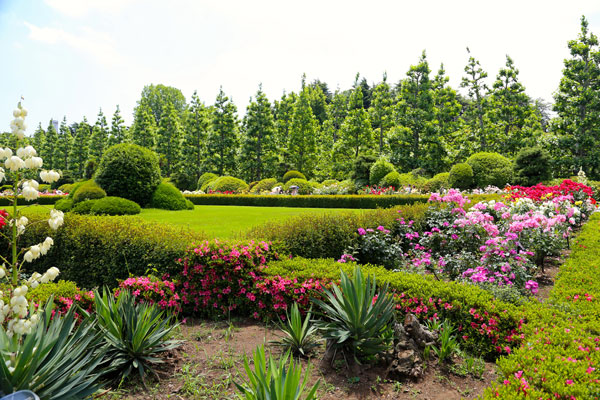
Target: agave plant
136	333
271	380
356	316
448	342
59	359
299	336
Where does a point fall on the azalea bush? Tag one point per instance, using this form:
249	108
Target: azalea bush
152	290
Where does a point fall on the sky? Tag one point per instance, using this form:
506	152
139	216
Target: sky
72	57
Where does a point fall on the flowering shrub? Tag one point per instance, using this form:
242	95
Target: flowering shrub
540	192
377	190
152	290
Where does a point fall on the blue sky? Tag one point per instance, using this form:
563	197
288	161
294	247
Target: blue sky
71	57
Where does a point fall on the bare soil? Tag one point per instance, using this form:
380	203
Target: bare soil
211	359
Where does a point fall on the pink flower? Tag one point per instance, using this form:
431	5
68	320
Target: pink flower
361	231
569	381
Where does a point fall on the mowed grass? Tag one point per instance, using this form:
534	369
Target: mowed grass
229	221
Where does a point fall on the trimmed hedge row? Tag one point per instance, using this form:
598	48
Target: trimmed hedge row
487	326
560	353
94	251
43	200
318	201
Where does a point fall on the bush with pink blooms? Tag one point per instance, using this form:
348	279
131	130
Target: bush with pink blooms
152	290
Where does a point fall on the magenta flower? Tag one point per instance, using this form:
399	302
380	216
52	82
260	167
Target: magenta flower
361	231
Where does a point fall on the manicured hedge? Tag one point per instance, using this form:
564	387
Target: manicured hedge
94	251
487	326
560	352
43	200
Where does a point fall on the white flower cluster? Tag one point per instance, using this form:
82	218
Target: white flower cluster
36	278
56	219
21	223
18	126
38	250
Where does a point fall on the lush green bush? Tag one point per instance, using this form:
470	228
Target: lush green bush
461	176
392	179
490	169
559	352
228	184
184	180
437	183
115	206
168	197
129	171
94	251
264	186
88	191
43	200
206	178
293	175
380	169
84	207
532	166
304	186
64	205
66	188
328	182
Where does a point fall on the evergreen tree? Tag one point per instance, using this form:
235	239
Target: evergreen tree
283	111
304	130
157	96
118	131
39	138
223	136
381	112
257	157
169	136
477	90
447	111
47	150
193	148
577	102
143	131
79	151
99	138
62	147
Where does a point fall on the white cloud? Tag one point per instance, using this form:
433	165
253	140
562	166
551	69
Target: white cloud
82	8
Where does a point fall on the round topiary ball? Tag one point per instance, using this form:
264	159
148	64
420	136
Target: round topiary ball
114	206
264	186
392	179
532	166
129	171
168	197
293	175
379	170
490	169
205	178
437	183
461	176
228	184
304	186
88	191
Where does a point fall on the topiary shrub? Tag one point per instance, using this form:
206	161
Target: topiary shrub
461	176
189	205
437	183
168	197
293	175
329	182
115	206
304	186
184	181
380	170
490	169
205	178
532	166
228	184
264	186
64	205
75	186
129	171
84	207
391	179
87	191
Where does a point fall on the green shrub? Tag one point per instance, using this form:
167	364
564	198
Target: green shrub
183	180
461	176
64	205
437	183
293	175
88	191
304	186
168	197
129	171
228	184
392	179
44	187
380	169
115	206
299	335
189	205
490	169
75	187
264	186
94	251
84	207
206	178
329	182
43	200
532	166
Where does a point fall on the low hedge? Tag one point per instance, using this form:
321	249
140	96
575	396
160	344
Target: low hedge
94	251
43	200
487	326
560	353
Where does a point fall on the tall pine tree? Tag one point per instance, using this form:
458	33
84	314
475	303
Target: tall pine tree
197	124
143	131
79	151
382	112
47	150
169	136
118	131
99	138
304	130
223	136
63	147
477	91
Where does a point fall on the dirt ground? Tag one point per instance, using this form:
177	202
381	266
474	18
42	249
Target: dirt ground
212	358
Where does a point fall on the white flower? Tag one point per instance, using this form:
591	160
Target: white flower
17	112
14	163
56	219
1	174
2	274
49	176
28	256
5	152
53	273
30	193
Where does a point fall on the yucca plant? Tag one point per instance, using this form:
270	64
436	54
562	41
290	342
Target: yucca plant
275	380
356	316
59	359
136	333
300	336
448	342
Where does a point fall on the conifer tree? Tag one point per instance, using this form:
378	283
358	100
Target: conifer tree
47	150
447	109
197	124
381	112
169	138
79	151
99	138
143	131
62	147
118	131
223	136
304	130
477	91
39	137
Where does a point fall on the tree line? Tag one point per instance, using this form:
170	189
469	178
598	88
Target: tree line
418	122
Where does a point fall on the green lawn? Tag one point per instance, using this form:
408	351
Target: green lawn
228	221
